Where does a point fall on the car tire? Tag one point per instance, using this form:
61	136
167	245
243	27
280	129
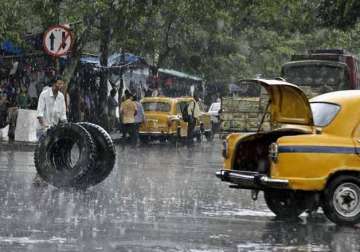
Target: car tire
340	189
106	154
198	137
144	139
209	136
51	156
284	204
173	139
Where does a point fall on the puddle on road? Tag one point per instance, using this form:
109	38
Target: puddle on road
239	212
261	247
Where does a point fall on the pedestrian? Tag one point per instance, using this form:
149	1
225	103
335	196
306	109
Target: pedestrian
128	112
23	99
121	126
193	111
32	91
3	109
140	116
11	93
112	105
51	110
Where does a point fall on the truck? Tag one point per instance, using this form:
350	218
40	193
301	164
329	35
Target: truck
316	72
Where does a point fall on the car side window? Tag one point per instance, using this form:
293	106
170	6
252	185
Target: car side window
323	113
180	107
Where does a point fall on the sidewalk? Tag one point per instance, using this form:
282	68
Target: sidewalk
30	146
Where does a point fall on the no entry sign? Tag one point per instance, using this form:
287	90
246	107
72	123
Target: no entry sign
57	40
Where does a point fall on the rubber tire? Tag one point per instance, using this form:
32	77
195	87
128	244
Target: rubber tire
328	207
106	154
51	155
284	204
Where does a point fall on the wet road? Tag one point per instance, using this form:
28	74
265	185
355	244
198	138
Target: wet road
158	198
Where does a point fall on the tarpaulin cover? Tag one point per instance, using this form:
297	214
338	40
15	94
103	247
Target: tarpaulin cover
10	48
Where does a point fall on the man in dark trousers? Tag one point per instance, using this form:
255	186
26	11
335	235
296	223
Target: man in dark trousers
194	115
127	112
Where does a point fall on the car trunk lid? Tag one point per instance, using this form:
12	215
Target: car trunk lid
288	103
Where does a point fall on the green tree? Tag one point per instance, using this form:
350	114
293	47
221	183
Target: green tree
339	14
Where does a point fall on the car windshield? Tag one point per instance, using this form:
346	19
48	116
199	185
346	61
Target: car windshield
323	113
317	75
156	106
215	107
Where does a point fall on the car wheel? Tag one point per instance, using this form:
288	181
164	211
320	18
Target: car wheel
342	200
209	136
198	137
105	154
284	204
52	160
173	139
144	139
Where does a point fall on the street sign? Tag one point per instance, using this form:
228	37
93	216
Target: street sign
57	40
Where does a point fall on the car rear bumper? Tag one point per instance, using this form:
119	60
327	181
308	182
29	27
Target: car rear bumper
248	180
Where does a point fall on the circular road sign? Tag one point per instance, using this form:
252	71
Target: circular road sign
57	40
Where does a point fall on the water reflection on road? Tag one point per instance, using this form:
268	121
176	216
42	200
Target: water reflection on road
158	198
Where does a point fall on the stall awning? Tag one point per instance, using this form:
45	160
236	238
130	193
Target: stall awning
179	74
115	59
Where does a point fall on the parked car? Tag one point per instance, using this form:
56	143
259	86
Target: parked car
310	159
214	111
163	120
215	115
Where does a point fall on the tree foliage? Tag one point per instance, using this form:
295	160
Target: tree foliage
219	40
339	14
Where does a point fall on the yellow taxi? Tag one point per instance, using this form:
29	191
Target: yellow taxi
310	160
163	120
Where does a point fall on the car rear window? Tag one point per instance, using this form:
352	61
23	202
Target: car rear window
156	106
324	113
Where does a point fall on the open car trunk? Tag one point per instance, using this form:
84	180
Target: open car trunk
288	106
252	152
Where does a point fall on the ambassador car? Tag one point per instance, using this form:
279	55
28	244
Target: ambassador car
164	122
310	158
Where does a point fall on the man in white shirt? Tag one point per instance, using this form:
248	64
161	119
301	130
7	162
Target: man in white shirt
51	107
51	110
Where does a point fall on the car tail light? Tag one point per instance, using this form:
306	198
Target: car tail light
274	152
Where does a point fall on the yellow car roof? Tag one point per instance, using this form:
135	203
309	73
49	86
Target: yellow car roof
348	116
339	97
157	99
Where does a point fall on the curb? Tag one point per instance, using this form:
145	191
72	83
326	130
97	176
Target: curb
17	146
30	146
